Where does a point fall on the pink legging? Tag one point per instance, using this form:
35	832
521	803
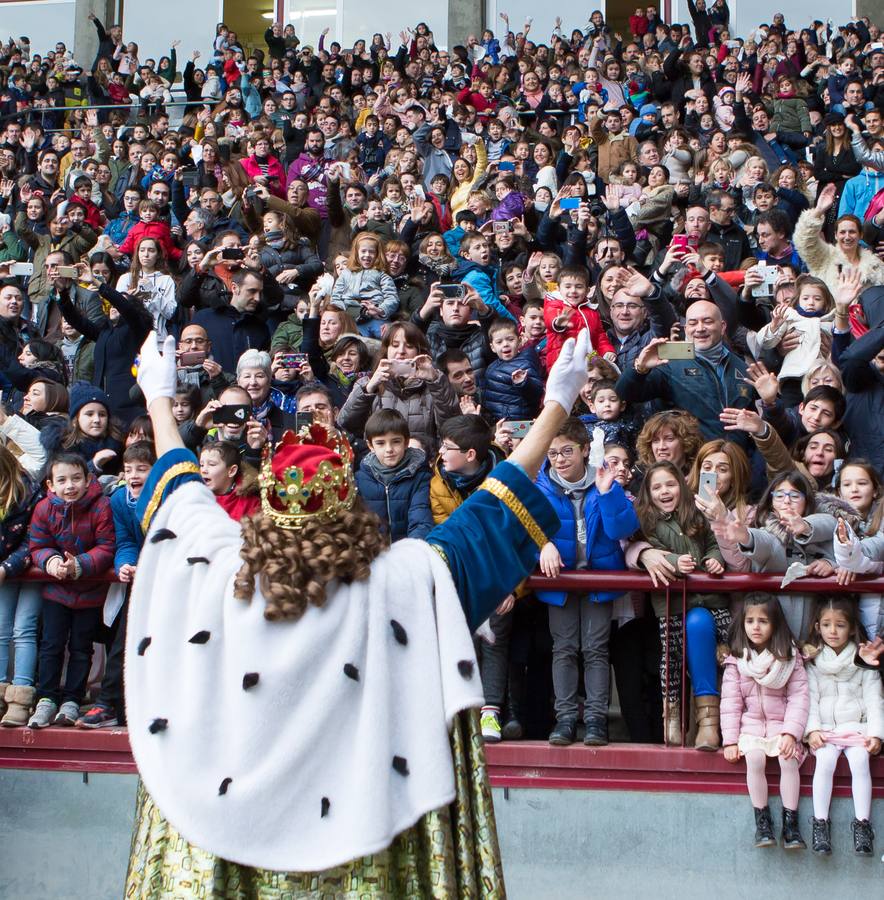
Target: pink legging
790	781
860	783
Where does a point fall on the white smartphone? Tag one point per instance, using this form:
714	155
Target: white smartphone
21	268
708	484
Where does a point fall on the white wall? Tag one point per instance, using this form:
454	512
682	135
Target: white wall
154	24
43	21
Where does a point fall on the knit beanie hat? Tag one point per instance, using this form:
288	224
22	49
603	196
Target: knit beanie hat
81	393
647	110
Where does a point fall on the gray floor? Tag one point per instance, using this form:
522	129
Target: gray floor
63	837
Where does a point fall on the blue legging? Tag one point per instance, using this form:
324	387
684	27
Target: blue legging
704	629
700	637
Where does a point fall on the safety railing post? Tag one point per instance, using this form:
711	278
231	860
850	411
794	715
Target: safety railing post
667	625
684	655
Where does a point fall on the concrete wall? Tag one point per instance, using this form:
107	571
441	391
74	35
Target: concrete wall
63	837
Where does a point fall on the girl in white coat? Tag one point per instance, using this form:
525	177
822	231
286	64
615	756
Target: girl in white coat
846	716
862	552
148	278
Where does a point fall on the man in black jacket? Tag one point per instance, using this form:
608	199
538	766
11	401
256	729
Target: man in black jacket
236	327
724	231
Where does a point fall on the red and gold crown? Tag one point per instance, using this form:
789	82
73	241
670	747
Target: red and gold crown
309	475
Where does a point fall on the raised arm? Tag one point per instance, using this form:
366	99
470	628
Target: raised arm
492	541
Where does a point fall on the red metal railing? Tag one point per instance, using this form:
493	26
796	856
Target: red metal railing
515	763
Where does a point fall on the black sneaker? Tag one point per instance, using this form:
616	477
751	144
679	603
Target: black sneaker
512	730
563	734
863	837
97	717
596	734
822	837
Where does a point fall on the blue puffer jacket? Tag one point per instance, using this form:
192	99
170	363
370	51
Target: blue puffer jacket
610	519
400	497
502	399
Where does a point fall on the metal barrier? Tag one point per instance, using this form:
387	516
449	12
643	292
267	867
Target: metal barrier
584	582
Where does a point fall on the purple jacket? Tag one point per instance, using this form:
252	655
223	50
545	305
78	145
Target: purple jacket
749	708
85	529
511	207
313	171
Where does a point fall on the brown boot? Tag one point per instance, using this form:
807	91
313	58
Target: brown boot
4	687
671	723
708	737
20	699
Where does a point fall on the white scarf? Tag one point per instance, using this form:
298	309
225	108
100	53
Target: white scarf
765	668
828	662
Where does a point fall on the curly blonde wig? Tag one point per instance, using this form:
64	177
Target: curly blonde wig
293	568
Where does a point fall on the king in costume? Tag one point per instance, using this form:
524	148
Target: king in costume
302	698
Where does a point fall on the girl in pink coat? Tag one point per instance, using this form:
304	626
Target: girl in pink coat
764	708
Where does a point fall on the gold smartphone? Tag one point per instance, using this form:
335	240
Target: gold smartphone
676	350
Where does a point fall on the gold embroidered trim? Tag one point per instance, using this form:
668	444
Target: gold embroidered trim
441	553
516	507
181	468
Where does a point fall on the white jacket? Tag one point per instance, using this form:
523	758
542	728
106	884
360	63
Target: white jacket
843	697
798	362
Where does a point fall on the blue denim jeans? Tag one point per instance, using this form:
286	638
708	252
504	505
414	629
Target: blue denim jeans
20	606
373	328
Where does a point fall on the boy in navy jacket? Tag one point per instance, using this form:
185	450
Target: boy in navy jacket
394	480
514	381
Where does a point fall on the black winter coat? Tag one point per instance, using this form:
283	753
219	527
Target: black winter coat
116	346
14	532
399	497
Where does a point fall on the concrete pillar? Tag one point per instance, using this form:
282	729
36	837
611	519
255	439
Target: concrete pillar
465	17
874	9
85	36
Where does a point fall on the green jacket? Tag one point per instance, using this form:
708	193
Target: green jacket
288	334
670	537
84	362
11	247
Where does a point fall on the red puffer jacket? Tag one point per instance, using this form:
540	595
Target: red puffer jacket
85	529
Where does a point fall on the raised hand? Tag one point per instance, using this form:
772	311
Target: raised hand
765	382
636	284
157	373
826	198
604	478
850	284
741	420
568	374
649	358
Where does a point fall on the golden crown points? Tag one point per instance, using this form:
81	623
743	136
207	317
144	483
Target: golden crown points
309	476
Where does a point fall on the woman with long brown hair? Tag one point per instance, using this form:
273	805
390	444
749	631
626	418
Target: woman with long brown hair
404	378
346	663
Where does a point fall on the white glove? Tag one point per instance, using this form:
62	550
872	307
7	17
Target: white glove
568	374
157	375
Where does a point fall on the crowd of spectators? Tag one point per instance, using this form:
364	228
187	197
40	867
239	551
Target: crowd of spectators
395	240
